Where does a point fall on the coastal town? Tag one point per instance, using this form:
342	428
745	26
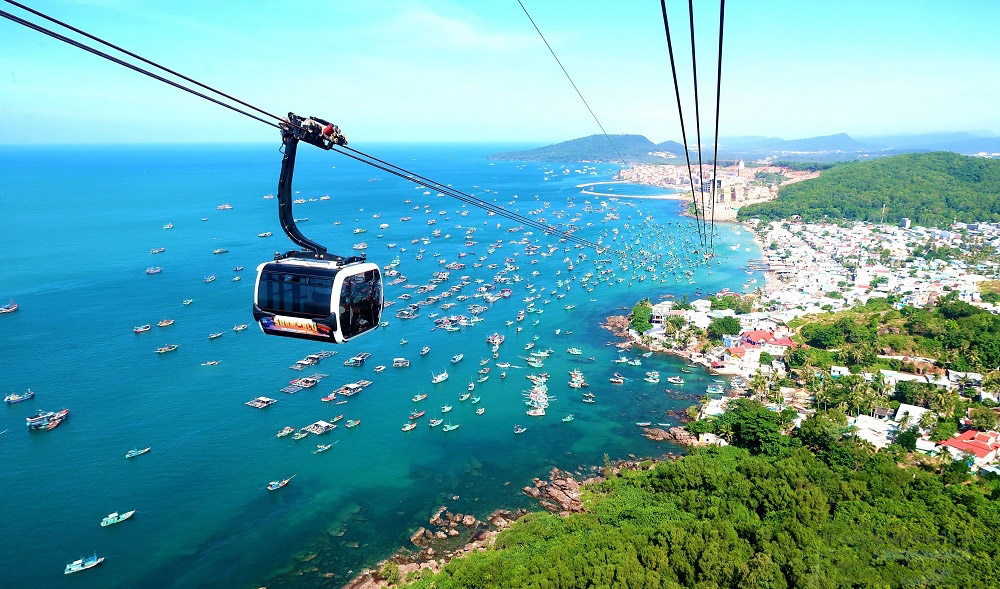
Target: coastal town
825	270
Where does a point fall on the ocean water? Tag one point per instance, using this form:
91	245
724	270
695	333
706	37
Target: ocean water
79	223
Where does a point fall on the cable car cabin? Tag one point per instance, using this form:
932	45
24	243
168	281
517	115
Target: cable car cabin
320	300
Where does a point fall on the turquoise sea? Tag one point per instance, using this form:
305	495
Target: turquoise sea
78	226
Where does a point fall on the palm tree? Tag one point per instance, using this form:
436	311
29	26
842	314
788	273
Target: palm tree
904	422
927	420
943	401
758	384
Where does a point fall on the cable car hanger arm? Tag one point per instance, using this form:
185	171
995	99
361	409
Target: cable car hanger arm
324	135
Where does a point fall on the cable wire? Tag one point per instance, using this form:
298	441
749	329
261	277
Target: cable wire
680	115
718	101
697	112
139	57
386	166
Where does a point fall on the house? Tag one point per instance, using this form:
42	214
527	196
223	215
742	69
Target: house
912	415
778	346
872	430
838	371
982	447
757	338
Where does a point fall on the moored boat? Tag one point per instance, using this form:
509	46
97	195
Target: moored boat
141	328
83	564
449	427
136	452
288	430
114	518
18	397
275	485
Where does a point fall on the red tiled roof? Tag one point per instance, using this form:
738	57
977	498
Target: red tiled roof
758	336
784	341
738	351
975	442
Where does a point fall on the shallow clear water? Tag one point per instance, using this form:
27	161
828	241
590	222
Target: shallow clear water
79	226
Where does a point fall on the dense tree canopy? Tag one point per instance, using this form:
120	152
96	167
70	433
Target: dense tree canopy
820	510
932	189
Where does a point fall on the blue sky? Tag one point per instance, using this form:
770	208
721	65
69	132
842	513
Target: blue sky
474	71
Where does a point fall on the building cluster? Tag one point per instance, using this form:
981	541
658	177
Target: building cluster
819	267
814	267
733	184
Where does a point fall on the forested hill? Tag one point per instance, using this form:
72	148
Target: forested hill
931	189
597	148
819	510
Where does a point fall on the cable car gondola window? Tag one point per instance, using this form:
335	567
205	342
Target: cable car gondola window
360	303
301	295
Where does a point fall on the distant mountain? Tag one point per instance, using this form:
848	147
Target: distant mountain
596	148
826	148
932	189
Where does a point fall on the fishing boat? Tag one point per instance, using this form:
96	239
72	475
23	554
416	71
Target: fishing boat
43	419
299	435
210	278
8	308
464	396
643	423
675	379
419	397
445	408
417	415
400	362
165	323
167	348
331	397
449	427
574	352
476	400
480	411
403	341
568	418
83	564
188	302
275	485
652	377
435	422
215	335
409	426
114	518
337	418
323	447
18	397
141	328
424	350
519	430
457	358
588	400
220	251
439	378
352	423
683	369
152	270
536	412
379	368
136	452
472	386
240	327
286	431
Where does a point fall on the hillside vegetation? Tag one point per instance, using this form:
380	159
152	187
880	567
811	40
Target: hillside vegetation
932	189
818	510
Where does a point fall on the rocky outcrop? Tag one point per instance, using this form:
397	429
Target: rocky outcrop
561	493
617	324
678	435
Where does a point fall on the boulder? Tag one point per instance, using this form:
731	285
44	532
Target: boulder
418	537
468	521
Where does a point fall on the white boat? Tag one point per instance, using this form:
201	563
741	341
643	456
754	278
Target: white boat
439	378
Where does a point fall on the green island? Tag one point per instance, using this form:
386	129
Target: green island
931	189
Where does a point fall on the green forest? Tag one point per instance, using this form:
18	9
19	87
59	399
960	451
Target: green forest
931	189
816	509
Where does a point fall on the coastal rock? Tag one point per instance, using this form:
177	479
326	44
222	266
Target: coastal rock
452	532
678	435
468	521
617	324
436	518
418	537
440	535
532	492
